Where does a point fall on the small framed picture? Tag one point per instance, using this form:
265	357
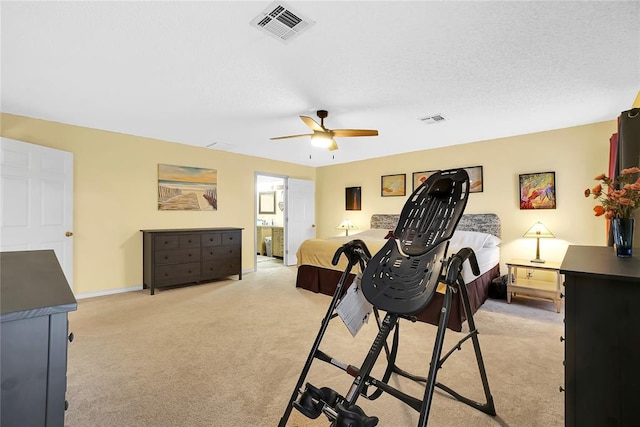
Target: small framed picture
475	179
420	177
393	185
537	190
353	198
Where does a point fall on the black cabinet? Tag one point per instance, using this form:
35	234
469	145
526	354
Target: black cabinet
190	255
35	300
602	331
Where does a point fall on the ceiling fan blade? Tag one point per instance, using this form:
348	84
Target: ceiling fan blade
334	145
291	136
312	123
354	132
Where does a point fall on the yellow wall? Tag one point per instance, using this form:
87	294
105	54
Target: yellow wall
115	195
115	179
575	154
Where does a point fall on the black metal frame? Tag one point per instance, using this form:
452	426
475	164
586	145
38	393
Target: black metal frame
419	237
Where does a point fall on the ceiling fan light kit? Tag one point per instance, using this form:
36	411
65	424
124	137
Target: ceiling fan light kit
324	137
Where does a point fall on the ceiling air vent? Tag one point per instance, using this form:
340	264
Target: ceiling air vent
429	120
279	21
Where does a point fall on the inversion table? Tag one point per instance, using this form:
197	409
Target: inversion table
400	280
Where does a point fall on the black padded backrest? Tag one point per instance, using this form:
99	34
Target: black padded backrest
402	277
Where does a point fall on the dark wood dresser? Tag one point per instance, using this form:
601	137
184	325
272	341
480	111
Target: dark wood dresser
602	332
190	255
34	334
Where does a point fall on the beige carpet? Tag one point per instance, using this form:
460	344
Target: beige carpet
229	353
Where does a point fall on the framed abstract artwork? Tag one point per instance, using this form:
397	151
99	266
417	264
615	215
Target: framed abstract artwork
420	177
353	198
475	179
185	188
393	185
537	190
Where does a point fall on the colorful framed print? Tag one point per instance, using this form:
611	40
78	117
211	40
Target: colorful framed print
475	179
185	188
420	177
353	198
393	185
537	190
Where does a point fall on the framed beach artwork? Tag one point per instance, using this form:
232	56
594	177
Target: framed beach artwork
420	177
537	190
353	198
393	185
186	188
475	179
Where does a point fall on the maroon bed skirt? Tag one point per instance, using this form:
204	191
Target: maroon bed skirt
323	280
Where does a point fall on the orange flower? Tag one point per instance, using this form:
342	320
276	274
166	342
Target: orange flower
619	197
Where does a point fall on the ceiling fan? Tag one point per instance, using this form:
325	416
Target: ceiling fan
323	137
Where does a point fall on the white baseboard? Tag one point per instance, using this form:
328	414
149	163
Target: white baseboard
109	292
131	289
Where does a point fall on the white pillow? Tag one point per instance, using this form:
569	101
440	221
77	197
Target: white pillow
473	239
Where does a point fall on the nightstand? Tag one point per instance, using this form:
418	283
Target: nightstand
543	289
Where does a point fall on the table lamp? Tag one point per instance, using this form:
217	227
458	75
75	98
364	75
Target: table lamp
346	225
538	231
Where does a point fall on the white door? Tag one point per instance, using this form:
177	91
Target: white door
36	200
299	216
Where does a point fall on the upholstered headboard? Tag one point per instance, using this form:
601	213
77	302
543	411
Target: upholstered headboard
484	223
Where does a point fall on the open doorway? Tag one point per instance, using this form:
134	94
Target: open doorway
270	221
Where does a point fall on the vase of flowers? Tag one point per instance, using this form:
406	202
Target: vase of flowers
618	199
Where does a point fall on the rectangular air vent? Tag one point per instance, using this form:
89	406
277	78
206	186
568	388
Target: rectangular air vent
280	22
429	120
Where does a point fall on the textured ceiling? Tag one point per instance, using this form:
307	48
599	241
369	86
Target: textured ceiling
197	73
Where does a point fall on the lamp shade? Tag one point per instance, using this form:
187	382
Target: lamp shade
538	230
346	225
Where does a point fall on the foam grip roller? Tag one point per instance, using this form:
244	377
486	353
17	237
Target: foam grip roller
455	264
313	400
353	416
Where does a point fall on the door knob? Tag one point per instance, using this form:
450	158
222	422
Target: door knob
68	234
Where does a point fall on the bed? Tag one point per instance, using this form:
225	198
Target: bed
480	232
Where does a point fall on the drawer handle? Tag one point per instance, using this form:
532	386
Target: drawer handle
560	389
166	257
71	337
189	240
166	274
561	295
561	338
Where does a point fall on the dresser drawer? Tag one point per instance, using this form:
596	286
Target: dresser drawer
176	274
177	256
232	238
220	268
220	252
211	239
190	241
169	241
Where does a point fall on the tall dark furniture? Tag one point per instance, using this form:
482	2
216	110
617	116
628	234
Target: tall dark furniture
35	299
190	255
602	331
